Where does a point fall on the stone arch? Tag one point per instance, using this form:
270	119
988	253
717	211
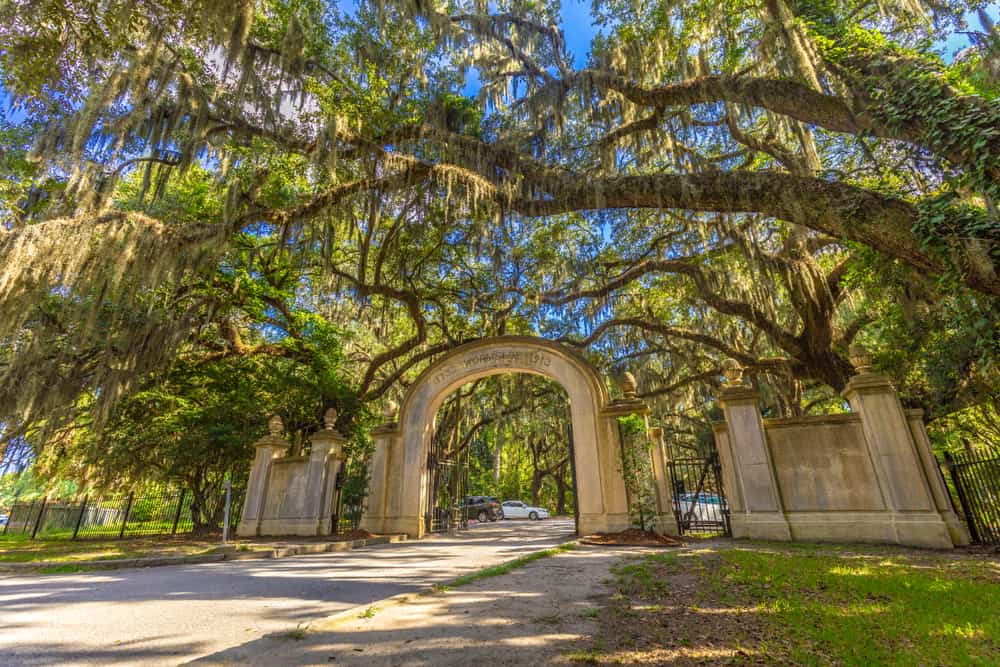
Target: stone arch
398	472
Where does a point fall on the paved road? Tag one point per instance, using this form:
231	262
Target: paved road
170	615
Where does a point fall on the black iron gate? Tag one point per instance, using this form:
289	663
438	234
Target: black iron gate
447	486
699	502
975	480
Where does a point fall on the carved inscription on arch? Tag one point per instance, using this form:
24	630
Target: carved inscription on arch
474	362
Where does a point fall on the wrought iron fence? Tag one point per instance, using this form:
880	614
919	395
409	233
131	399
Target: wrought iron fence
975	484
348	518
166	512
448	484
700	505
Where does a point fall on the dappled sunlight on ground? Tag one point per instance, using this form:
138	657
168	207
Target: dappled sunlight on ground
21	549
169	615
661	656
713	602
539	614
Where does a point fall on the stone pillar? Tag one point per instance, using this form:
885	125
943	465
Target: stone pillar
942	497
268	448
324	464
666	522
385	437
615	515
904	483
761	515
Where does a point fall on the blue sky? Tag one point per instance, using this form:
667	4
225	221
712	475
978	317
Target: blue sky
579	30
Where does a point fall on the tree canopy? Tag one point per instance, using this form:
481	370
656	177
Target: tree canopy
354	193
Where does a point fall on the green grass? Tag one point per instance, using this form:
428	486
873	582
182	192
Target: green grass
803	604
298	633
21	549
878	608
134	529
503	568
644	576
368	612
64	569
591	656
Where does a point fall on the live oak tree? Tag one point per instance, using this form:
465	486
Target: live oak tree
766	156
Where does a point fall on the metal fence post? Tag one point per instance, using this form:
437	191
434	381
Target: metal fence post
128	508
177	516
225	520
27	516
723	501
79	519
38	521
10	517
963	500
338	489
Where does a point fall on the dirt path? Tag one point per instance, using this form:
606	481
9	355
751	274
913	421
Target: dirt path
542	613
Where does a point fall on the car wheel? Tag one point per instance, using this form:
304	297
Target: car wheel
533	516
481	516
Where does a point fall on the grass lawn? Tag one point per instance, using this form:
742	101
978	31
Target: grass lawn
802	605
20	549
502	568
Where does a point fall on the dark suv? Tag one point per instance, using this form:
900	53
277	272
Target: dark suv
482	508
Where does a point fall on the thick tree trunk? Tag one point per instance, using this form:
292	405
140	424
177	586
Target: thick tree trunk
537	476
561	489
201	522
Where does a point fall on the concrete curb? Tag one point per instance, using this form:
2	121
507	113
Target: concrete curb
329	622
328	547
222	554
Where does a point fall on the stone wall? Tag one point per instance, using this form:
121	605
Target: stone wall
866	476
287	503
293	495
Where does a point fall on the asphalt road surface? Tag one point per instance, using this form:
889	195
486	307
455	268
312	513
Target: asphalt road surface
171	615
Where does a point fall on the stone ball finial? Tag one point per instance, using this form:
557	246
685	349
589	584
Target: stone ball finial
330	418
275	426
629	385
733	372
391	410
861	358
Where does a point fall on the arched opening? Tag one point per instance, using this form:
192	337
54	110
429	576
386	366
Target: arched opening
398	481
501	450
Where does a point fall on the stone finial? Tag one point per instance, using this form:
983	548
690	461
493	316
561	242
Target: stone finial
275	426
861	359
629	386
330	418
733	372
391	410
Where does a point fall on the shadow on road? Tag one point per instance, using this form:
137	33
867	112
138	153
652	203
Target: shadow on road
170	614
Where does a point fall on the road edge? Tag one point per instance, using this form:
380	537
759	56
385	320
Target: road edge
222	554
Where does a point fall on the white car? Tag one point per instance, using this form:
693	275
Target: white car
515	509
705	507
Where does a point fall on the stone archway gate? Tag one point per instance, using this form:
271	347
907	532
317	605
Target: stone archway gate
869	475
398	482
